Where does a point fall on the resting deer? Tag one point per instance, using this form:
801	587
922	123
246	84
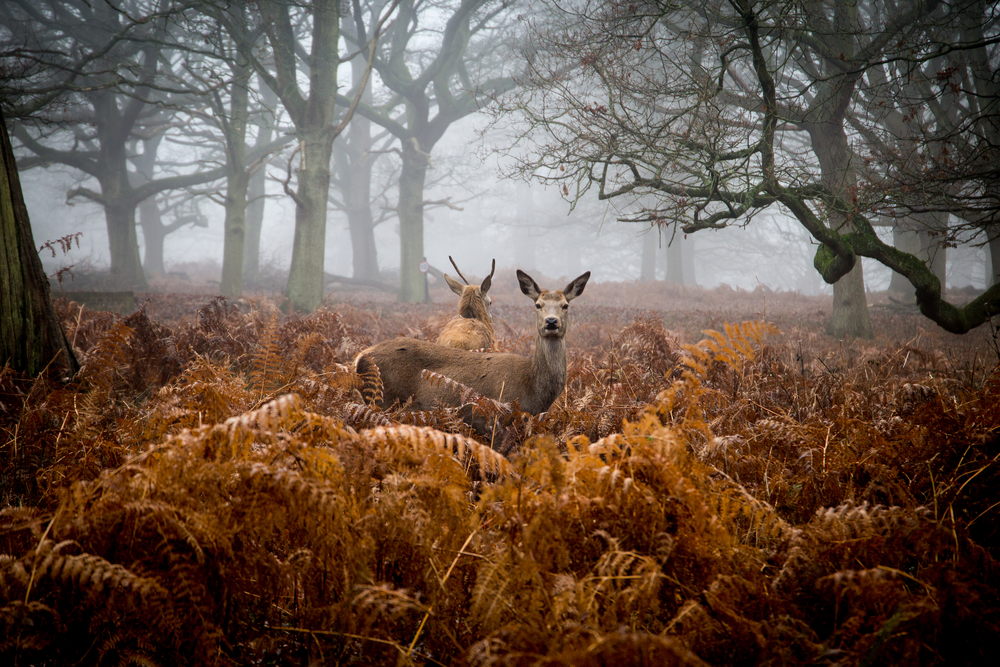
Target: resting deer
533	382
473	328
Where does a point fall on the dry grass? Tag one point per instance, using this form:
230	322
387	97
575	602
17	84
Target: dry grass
214	489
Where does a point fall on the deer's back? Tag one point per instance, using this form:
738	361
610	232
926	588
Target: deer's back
466	334
400	362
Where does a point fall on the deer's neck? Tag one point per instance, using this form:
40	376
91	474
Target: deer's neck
549	370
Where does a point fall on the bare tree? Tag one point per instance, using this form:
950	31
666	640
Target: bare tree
313	113
87	75
443	61
724	109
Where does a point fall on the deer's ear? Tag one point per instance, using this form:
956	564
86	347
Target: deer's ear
485	287
528	285
575	288
455	286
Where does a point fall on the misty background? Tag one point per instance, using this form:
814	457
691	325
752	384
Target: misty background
472	211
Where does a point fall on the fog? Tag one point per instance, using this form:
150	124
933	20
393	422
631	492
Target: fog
520	224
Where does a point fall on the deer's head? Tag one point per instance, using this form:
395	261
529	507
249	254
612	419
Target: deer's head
552	306
475	301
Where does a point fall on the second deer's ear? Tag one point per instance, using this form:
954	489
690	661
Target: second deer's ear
488	281
575	288
528	285
455	286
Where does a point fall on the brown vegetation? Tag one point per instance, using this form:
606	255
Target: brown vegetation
213	489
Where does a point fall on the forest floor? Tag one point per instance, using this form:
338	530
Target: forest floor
721	483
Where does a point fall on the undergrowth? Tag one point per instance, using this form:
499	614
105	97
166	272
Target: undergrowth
223	490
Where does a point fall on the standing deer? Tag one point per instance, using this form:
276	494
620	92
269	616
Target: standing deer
473	328
533	382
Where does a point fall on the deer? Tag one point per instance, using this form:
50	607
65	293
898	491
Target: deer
473	328
534	383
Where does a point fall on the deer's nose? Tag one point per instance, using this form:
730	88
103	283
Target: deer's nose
551	323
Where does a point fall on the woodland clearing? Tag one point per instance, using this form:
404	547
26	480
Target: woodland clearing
721	483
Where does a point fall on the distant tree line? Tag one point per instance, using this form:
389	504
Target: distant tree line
697	115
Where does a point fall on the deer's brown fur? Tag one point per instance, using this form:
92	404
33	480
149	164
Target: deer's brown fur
533	382
473	328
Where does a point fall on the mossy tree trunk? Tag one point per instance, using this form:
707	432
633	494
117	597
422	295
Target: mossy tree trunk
849	316
31	337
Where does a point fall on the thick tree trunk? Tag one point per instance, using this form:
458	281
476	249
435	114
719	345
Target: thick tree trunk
150	219
237	183
675	262
849	317
647	270
153	236
994	255
305	278
31	337
525	257
315	124
412	286
357	180
905	240
850	311
687	259
254	225
930	249
123	241
360	223
257	190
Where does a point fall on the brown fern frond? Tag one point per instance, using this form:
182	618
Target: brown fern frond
423	440
266	370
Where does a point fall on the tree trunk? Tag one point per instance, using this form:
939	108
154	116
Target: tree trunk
150	219
994	255
153	236
119	212
687	260
257	190
116	193
237	183
315	127
254	224
647	271
850	312
675	262
31	337
905	240
359	221
305	278
357	180
412	286
930	249
525	257
849	317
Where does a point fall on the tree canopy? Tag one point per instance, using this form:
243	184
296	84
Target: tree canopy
840	115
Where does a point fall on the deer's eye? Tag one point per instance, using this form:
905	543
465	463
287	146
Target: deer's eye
538	305
565	306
